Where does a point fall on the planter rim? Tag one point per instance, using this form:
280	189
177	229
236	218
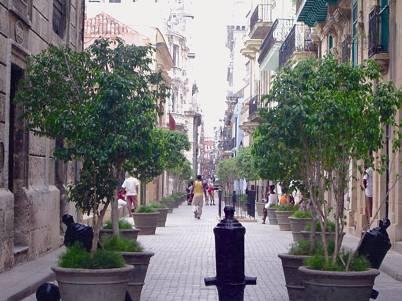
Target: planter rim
125	268
369	272
143	253
272	209
300	218
146	213
287	255
164	208
282	211
122	230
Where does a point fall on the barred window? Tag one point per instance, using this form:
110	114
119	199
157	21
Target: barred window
59	17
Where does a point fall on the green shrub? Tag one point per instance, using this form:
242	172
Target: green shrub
303	247
157	205
287	207
273	206
78	258
302	214
119	244
317	262
123	224
146	209
330	227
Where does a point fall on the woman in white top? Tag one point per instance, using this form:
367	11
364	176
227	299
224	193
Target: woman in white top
272	199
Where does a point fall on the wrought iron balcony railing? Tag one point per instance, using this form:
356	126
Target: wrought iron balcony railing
253	106
346	49
378	30
299	39
261	14
277	33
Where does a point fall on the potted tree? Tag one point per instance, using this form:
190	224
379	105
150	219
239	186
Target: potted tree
92	105
298	221
331	115
283	212
146	220
271	213
163	212
133	254
126	230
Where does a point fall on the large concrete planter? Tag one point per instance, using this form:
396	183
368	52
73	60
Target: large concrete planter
93	285
297	225
293	278
146	222
130	234
271	213
140	261
283	219
162	216
260	208
335	286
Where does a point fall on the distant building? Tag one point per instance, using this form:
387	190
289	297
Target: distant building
32	182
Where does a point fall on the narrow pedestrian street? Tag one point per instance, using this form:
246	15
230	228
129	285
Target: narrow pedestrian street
184	255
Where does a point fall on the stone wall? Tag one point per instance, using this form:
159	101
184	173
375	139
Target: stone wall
30	202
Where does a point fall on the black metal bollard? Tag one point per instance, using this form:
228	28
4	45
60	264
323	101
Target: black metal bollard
229	252
375	246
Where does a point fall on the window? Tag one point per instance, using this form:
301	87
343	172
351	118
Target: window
115	1
59	17
176	55
330	43
355	40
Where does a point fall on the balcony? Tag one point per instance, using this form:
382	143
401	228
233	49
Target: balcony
297	45
253	105
378	35
269	51
312	12
229	144
346	49
260	21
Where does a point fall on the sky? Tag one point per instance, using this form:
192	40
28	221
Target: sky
209	37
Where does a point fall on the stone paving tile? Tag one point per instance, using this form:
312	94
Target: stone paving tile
184	255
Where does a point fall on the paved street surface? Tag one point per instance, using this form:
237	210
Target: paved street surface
184	255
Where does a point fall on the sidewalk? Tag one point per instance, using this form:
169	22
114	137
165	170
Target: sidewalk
23	280
185	254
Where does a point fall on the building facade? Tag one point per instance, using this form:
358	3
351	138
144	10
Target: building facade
32	182
354	31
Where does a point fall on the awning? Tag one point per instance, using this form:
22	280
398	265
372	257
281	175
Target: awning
314	11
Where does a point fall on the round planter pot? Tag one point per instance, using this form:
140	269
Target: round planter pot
130	234
260	208
146	222
271	213
162	216
297	225
293	278
283	220
335	286
100	285
140	261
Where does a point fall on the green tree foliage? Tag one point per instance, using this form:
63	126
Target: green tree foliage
246	165
164	152
228	171
321	116
103	103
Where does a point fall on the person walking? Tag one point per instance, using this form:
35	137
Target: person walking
130	186
198	190
272	200
211	193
